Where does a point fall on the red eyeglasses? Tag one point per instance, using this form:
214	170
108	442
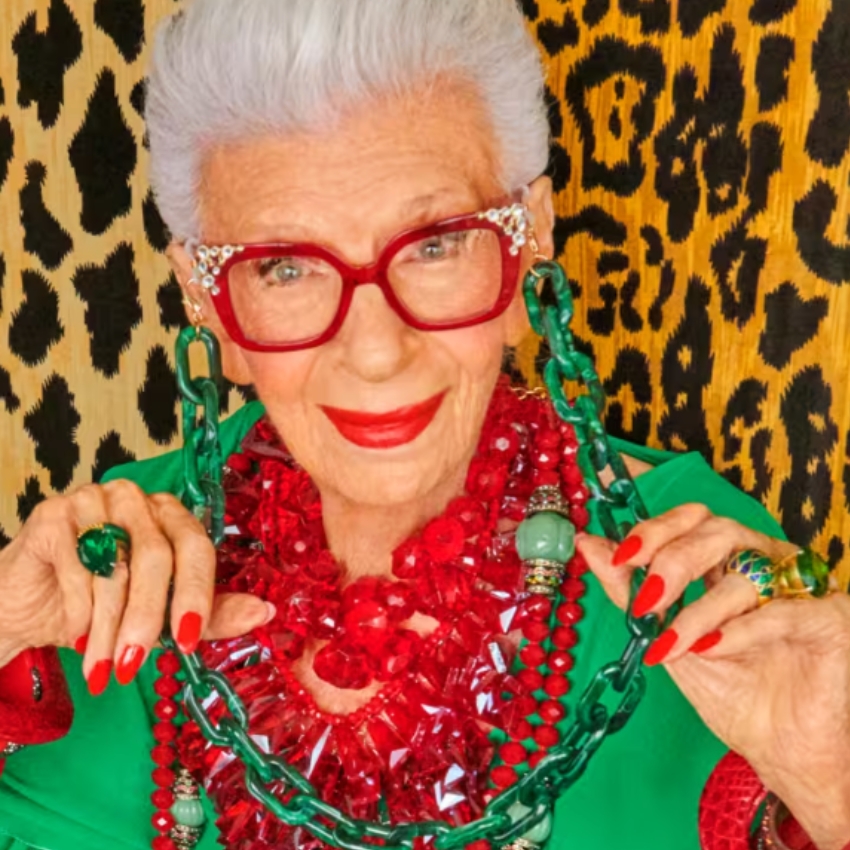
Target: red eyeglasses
290	296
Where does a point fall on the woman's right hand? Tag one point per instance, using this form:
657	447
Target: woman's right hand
48	598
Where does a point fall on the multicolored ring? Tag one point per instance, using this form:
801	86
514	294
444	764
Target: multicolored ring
803	574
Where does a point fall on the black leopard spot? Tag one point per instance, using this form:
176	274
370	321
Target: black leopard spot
745	410
35	325
631	371
764	12
629	316
594	221
169	297
7	148
654	14
113	309
43	59
2	280
5	540
138	97
601	319
847	474
109	453
52	425
806	413
554	113
155	229
694	13
158	397
594	11
642	67
829	132
31	497
43	235
654	245
765	161
738	250
666	286
555	37
530	9
792	322
610	262
812	215
124	22
776	53
560	167
103	154
834	552
686	370
7	395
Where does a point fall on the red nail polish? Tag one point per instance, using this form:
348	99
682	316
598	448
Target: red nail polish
189	633
98	679
81	645
661	648
707	642
627	550
129	664
648	596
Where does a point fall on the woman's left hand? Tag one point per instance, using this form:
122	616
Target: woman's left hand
773	683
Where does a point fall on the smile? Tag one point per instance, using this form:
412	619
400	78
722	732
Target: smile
384	430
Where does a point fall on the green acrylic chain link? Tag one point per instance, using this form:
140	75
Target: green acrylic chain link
603	709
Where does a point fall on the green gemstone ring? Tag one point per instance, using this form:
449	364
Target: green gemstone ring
102	547
801	575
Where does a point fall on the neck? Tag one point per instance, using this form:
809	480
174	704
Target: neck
363	537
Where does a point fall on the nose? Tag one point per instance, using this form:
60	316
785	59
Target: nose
376	342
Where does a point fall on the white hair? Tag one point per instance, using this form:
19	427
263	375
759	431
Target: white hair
226	69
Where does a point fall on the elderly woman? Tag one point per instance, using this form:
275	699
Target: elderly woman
369	175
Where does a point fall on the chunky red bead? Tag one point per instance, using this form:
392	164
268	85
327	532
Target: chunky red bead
168	663
163	822
163	842
546	736
163	755
443	538
167	686
503	776
560	661
537	608
513	753
573	588
535	631
556	686
551	711
530	678
532	655
163	798
163	777
521	730
548	438
569	613
564	638
165	709
164	732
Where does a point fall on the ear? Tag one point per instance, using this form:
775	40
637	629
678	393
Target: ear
234	366
540	204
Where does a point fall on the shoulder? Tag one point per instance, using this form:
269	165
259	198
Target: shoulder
164	474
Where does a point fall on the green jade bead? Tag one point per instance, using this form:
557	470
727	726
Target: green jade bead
189	813
546	536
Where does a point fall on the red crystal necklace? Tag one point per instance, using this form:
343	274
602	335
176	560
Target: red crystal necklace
460	713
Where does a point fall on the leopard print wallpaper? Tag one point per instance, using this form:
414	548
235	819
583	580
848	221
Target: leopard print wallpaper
701	154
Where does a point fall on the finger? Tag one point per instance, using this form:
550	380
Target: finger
194	570
646	538
598	553
236	614
150	578
697	628
110	597
705	547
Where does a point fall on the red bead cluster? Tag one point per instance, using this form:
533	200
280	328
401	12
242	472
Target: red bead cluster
164	753
427	745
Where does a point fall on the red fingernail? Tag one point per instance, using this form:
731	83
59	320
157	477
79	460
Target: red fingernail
189	632
661	648
648	596
98	679
81	645
707	642
627	550
129	664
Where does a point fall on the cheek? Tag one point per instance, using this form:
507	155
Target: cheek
281	379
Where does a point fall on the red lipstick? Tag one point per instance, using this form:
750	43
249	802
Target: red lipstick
385	430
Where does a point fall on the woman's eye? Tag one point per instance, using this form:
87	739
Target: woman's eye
282	271
441	247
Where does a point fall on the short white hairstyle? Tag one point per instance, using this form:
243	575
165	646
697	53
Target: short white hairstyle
223	70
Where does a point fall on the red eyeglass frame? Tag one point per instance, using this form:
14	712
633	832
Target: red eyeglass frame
216	282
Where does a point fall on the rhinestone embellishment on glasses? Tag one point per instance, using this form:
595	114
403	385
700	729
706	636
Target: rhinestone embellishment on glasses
514	220
208	262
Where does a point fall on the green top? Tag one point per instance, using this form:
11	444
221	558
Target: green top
91	790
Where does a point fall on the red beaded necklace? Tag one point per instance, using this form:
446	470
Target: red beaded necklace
458	715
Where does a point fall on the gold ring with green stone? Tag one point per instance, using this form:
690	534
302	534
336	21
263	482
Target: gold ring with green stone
101	548
802	574
758	569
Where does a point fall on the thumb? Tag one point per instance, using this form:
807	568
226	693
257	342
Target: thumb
598	553
235	614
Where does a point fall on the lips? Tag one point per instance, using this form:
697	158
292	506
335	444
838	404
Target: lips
384	430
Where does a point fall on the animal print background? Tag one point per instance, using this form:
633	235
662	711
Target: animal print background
701	167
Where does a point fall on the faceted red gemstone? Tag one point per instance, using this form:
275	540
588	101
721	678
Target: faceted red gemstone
367	623
410	559
163	755
560	661
163	822
546	478
569	613
487	477
400	601
535	631
163	798
546	736
538	608
167	686
163	842
168	663
504	573
564	638
443	538
165	709
580	517
522	730
469	513
163	777
503	776
546	459
551	711
573	588
513	753
398	654
322	568
571	476
164	732
532	655
530	678
343	666
504	442
556	686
